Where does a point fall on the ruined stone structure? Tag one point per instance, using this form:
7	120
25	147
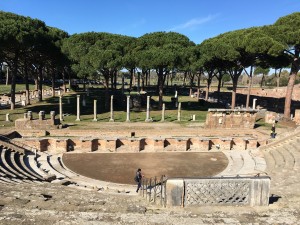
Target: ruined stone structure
138	144
28	123
252	191
228	118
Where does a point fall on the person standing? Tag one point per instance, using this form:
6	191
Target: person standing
138	179
273	134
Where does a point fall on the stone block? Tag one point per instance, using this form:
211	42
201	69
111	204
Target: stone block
174	192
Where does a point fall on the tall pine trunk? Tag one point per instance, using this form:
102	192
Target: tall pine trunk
290	86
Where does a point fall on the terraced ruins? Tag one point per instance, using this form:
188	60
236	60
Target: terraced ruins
41	189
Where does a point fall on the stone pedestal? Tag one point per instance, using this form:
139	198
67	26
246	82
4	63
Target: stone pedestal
78	108
61	118
111	109
95	111
128	109
179	112
148	119
163	112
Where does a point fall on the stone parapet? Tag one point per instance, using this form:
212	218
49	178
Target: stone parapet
159	144
235	191
228	118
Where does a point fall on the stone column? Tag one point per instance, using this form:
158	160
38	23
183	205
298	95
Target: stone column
78	108
194	117
254	103
179	111
128	109
29	115
7	119
148	119
163	112
111	109
95	110
41	115
61	118
52	115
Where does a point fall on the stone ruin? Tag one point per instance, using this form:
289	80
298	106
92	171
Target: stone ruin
28	123
230	118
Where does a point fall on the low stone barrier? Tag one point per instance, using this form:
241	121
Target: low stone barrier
230	191
136	144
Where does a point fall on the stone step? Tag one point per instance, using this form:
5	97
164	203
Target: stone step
19	159
270	161
8	181
259	160
228	168
233	168
24	161
278	158
294	150
31	160
3	165
248	166
12	157
10	164
288	156
44	165
55	163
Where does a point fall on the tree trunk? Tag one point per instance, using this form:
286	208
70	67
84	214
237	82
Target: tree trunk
64	83
131	79
233	98
53	84
13	82
249	88
27	100
249	92
278	77
7	75
106	104
160	86
40	84
290	86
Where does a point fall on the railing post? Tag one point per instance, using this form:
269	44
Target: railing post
154	194
150	189
161	190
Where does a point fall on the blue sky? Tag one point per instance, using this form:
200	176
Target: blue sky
197	19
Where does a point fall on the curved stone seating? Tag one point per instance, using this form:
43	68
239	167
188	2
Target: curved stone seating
243	163
283	159
3	165
46	166
21	161
10	165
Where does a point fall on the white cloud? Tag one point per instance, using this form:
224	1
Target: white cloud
193	23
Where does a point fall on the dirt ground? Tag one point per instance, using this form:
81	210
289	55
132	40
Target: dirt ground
121	167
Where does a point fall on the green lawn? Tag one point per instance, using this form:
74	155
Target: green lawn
189	107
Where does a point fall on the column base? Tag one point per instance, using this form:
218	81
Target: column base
77	120
111	120
95	120
149	120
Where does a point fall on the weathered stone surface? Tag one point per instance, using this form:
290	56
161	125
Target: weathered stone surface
175	192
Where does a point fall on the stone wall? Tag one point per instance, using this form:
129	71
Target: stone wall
228	118
100	144
246	191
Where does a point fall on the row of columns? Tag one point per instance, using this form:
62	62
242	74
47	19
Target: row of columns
148	118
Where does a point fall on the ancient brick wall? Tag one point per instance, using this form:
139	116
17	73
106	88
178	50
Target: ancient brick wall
227	118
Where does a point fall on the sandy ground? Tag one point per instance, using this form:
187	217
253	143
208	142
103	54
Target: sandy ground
121	167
